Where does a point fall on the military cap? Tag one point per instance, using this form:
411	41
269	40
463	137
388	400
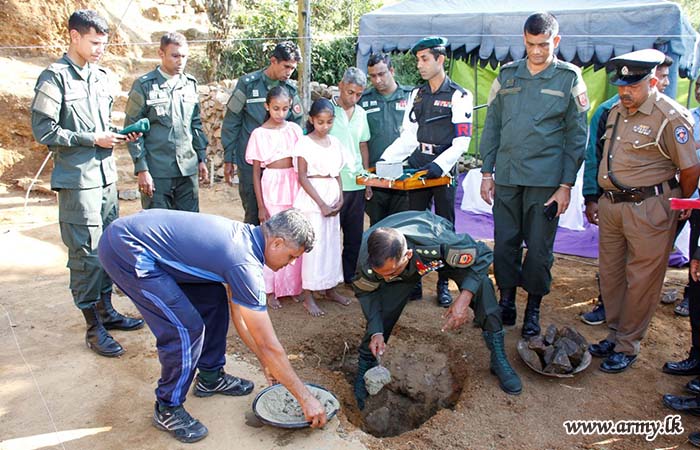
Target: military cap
631	68
428	42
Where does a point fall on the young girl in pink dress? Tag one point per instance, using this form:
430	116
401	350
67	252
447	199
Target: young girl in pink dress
271	152
319	159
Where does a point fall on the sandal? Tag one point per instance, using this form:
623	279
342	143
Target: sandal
682	308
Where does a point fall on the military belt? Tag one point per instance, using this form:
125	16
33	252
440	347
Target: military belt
432	149
640	194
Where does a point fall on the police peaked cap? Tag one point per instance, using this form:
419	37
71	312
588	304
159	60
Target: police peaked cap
428	42
631	68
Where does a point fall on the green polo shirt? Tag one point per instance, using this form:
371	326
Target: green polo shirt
351	132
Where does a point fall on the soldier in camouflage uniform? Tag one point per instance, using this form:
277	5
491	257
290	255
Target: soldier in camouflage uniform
71	115
170	160
245	112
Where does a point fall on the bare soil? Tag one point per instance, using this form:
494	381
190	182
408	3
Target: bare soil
86	392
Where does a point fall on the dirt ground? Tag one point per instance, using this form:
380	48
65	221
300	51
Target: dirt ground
52	387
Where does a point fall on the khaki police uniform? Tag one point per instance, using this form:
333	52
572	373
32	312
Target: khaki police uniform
384	116
70	105
534	140
245	112
642	154
436	247
175	145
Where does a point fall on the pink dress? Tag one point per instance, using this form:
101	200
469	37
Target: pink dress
322	268
279	187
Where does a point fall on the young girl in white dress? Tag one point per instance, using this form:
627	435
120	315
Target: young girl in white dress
319	159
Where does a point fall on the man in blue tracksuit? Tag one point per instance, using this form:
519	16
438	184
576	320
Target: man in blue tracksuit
172	265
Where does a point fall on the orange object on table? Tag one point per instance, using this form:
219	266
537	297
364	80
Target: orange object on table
415	181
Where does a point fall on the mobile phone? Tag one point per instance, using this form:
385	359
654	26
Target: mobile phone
550	211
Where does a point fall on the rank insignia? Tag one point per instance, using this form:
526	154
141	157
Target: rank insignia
642	129
429	267
509	83
681	133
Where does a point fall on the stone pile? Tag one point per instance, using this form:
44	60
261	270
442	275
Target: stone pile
558	351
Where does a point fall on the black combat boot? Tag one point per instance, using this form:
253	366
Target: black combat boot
417	292
507	304
111	319
507	378
531	321
444	298
97	339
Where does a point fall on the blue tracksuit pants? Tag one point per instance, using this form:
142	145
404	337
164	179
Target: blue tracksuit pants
189	320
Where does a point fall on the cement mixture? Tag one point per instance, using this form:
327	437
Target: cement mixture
278	405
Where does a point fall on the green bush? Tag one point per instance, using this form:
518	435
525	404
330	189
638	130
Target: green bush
329	59
266	22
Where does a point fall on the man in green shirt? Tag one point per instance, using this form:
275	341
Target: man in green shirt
71	114
246	111
385	103
170	160
534	139
351	128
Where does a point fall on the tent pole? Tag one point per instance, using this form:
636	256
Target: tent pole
475	127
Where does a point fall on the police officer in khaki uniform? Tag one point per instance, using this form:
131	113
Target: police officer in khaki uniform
648	139
395	254
385	104
245	112
71	115
436	131
170	160
534	140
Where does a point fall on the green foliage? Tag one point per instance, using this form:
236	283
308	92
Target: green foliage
270	22
266	22
405	70
338	16
329	59
692	9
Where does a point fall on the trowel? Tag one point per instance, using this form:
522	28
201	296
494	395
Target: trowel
377	377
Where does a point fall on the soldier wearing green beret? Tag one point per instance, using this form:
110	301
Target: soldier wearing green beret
436	132
245	112
534	140
71	114
395	254
385	104
170	160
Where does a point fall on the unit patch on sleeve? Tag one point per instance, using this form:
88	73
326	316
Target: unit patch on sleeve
681	133
461	257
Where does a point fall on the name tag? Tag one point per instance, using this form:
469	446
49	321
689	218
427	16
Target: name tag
372	110
255	100
157	101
